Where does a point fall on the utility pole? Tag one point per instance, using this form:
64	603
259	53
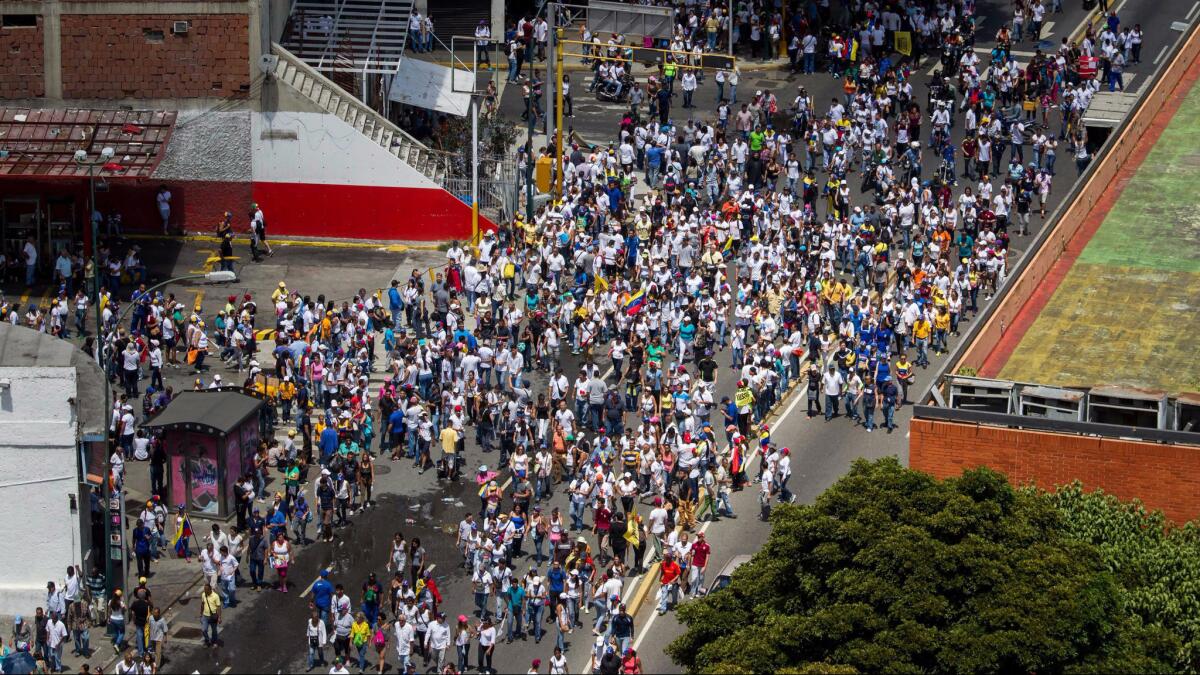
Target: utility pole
552	65
729	18
114	499
558	116
475	143
530	113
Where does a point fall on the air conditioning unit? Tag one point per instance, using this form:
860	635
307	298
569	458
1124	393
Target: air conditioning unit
179	27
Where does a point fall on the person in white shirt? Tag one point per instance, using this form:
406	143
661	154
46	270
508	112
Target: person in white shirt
405	636
832	383
437	640
317	636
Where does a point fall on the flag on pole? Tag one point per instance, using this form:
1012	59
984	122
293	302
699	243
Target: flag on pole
182	534
904	42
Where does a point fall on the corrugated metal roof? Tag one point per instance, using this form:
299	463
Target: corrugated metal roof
42	142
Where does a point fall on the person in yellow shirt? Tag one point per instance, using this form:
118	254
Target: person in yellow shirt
921	331
287	392
360	635
941	327
210	614
449	440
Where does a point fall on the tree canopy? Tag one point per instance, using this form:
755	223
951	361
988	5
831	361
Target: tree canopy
1156	563
892	570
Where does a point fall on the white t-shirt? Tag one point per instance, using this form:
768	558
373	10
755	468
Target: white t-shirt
404	638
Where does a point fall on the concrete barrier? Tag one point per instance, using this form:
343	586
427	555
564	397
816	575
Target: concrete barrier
1071	220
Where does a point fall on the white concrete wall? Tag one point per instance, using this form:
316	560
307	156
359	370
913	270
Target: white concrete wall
304	147
37	476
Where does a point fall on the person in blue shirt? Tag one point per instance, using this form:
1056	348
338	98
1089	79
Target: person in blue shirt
654	159
328	443
395	430
616	198
322	593
556	580
395	303
730	411
687	333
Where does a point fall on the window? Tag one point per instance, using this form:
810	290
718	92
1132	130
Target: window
152	36
19	21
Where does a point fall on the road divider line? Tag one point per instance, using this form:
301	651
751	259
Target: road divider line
1161	53
1192	12
314	583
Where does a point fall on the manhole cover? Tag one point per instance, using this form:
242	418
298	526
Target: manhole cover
382	469
188	633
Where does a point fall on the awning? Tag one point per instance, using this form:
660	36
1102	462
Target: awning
42	142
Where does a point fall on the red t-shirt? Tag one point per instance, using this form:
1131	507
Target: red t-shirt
670	572
700	551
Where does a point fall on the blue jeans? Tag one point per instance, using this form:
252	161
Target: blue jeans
922	356
577	508
889	415
229	590
810	63
851	409
208	628
56	658
118	633
534	619
514	624
83	640
667	596
869	417
831	406
316	656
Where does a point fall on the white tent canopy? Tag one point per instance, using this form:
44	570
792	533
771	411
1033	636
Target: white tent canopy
428	85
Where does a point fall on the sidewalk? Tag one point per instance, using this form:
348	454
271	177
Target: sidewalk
170	580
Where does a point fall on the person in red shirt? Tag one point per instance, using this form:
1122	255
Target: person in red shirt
669	582
699	562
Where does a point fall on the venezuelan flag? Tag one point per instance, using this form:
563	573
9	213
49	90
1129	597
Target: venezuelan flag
735	459
182	535
634	303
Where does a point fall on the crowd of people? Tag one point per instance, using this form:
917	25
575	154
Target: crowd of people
792	241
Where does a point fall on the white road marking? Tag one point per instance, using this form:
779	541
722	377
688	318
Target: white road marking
1161	53
703	528
1192	12
1047	29
314	583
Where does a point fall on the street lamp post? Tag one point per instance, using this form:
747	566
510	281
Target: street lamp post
81	158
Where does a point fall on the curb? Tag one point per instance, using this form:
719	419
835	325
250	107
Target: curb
310	243
650	578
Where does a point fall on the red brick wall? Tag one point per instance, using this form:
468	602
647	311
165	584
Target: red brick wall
109	56
1164	477
21	62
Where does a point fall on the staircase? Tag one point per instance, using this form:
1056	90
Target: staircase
374	31
291	70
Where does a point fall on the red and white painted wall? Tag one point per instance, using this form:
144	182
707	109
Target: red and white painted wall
316	176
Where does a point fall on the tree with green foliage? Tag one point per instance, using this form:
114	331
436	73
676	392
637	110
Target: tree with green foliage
1156	563
892	570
